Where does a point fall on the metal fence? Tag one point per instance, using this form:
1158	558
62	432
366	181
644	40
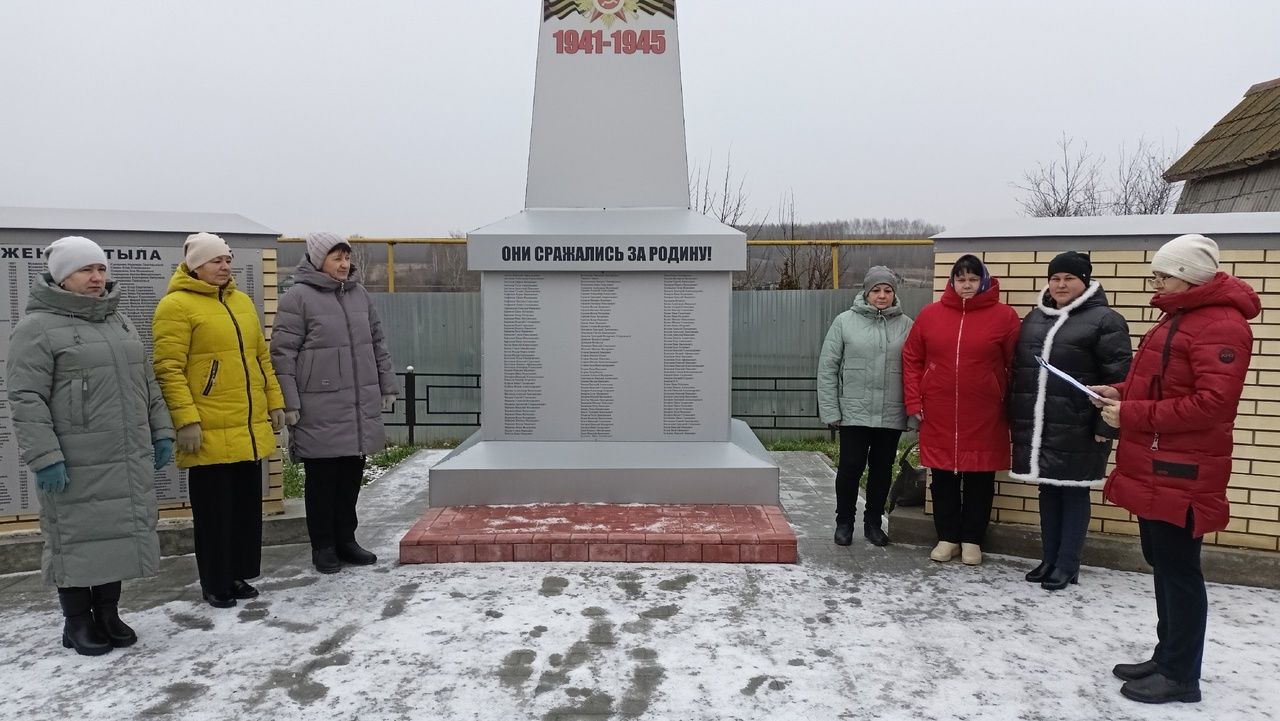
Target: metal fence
777	336
446	406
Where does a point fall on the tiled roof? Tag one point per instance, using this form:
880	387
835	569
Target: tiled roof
1248	135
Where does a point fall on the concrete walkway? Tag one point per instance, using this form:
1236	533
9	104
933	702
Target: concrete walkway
849	633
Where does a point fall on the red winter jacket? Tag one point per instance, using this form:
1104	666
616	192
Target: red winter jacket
1175	426
955	369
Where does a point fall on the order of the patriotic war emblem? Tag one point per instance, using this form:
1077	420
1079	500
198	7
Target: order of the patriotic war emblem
606	11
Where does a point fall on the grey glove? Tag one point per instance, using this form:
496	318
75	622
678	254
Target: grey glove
189	438
277	419
291	418
388	403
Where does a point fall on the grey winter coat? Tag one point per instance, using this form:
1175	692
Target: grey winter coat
860	368
82	392
332	362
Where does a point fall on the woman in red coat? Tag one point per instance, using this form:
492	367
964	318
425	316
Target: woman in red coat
1176	410
955	371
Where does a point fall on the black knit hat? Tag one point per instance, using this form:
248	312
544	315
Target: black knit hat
1072	262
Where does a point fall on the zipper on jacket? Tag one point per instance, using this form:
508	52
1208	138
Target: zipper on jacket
213	375
248	386
955	453
1155	442
355	376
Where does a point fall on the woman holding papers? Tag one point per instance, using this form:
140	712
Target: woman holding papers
1059	439
1176	410
955	371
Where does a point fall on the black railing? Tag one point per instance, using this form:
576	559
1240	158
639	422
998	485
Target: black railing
452	400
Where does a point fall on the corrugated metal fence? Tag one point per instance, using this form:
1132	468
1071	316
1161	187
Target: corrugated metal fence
776	339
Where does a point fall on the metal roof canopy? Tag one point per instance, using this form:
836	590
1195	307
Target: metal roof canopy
1118	232
128	227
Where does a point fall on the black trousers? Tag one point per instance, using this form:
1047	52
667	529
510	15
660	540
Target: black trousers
226	513
860	446
1182	605
331	492
962	504
1064	523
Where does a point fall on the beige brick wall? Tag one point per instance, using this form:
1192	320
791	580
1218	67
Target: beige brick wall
273	502
1254	491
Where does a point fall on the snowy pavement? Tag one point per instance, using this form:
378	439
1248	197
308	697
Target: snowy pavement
856	633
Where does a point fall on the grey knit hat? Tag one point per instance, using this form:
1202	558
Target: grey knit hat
67	255
878	274
320	244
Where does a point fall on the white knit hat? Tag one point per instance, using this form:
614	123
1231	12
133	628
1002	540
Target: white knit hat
1193	258
67	255
319	245
201	248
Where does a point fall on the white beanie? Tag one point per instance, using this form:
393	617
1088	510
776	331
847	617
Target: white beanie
319	245
67	255
1193	258
201	248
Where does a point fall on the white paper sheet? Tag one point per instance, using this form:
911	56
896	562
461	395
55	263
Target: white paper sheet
1075	383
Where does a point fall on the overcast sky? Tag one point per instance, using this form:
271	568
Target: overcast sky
411	117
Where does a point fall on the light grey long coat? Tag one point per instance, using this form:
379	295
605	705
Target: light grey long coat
860	367
82	392
332	362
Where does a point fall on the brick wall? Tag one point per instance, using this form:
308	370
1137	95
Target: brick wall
1254	490
273	502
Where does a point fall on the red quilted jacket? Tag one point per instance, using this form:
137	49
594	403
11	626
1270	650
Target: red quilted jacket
955	368
1175	424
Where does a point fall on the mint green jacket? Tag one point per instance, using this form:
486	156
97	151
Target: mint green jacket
860	368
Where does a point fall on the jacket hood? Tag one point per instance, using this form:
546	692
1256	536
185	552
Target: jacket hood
47	297
308	274
988	297
183	280
862	307
1224	289
1093	296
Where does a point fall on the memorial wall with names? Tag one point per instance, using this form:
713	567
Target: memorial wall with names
605	356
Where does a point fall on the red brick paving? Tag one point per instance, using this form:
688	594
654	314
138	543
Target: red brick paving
635	533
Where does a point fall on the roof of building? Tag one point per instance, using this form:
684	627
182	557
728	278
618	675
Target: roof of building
1246	136
1116	226
129	220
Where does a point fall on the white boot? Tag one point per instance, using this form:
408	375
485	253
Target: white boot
970	554
944	551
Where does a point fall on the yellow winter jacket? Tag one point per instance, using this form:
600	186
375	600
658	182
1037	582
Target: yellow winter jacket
214	368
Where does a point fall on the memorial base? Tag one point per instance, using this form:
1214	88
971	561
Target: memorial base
480	472
603	533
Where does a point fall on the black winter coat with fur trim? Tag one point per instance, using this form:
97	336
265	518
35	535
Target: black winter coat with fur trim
1052	424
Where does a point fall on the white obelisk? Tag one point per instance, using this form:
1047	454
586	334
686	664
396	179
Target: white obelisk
606	302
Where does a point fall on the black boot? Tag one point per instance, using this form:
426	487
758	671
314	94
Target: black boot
106	613
1134	671
219	599
1158	688
79	631
326	560
242	590
1059	579
844	533
876	535
1039	573
351	552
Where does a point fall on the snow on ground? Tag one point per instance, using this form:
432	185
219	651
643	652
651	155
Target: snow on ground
885	637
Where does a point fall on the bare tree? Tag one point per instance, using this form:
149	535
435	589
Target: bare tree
1068	186
1074	183
726	199
1140	187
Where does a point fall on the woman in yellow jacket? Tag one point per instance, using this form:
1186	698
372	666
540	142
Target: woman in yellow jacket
214	368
